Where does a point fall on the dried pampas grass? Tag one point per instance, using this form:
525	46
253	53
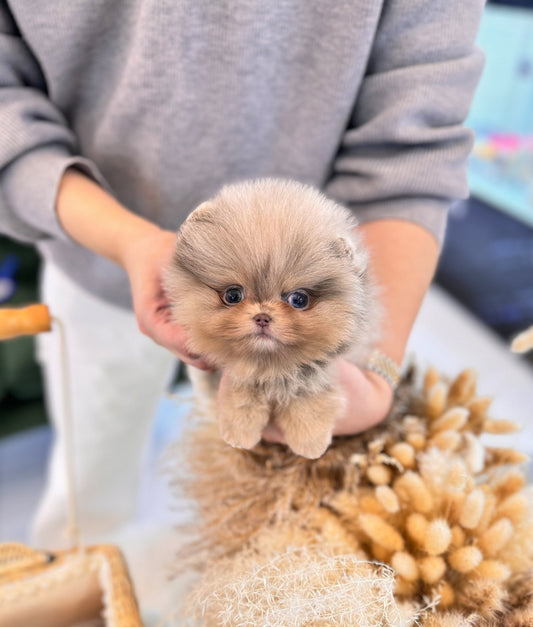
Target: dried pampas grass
420	494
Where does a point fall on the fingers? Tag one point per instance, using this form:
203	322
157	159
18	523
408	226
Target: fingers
197	361
175	341
172	337
368	399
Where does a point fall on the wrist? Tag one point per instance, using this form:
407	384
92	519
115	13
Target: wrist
137	236
384	367
96	220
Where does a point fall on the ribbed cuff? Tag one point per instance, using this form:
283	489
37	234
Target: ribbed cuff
30	185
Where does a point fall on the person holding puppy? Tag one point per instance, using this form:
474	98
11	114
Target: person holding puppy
114	131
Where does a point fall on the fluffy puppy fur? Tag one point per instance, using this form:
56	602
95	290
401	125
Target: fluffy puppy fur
271	283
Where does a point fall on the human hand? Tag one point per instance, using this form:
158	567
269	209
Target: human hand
144	261
368	400
95	219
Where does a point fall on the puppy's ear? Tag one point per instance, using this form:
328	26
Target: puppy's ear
202	213
355	255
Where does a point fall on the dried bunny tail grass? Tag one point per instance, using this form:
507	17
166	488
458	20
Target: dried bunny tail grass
472	510
381	532
379	474
478	408
523	342
473	453
457	476
436	398
515	507
465	559
505	456
509	482
463	388
304	586
501	426
431	377
454	419
388	499
416	526
492	541
404	454
447	440
411	488
420	492
405	565
437	537
492	570
517	552
432	569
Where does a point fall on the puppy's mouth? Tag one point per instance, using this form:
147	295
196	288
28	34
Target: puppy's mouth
264	337
263	334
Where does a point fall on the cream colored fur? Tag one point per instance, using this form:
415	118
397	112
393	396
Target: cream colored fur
270	238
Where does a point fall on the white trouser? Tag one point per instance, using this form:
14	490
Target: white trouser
116	377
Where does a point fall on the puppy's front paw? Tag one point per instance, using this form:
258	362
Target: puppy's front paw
239	437
310	447
242	426
242	416
308	423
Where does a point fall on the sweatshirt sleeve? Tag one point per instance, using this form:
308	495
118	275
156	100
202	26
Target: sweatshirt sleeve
36	145
404	152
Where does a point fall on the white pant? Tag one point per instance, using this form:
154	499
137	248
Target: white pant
116	378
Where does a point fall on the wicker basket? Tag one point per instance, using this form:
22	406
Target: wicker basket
80	586
65	588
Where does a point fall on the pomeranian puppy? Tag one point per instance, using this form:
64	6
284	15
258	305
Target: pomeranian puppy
271	283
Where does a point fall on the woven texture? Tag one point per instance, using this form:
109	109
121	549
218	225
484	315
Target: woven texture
25	573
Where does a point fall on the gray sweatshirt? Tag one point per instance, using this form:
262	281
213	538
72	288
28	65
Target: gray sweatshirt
164	101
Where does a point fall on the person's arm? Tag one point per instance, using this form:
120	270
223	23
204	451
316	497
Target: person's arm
94	219
403	258
36	144
401	164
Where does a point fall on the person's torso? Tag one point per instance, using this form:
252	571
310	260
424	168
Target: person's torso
172	99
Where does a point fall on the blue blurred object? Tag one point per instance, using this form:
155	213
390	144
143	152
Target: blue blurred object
501	165
487	258
487	264
8	269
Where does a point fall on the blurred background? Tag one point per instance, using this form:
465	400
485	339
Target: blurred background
487	262
482	297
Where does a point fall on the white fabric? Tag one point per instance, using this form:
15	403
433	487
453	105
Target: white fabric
117	376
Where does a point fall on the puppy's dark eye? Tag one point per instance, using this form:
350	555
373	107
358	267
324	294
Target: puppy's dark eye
298	299
233	295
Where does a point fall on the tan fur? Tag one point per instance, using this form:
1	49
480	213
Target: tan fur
271	237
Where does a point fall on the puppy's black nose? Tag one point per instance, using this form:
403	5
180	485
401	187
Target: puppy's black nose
262	319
